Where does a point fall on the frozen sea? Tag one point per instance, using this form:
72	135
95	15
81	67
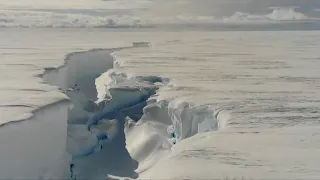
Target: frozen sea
264	84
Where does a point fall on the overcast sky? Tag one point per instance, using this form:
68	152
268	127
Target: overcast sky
200	7
72	4
89	12
229	7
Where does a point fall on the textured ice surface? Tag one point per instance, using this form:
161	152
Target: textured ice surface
239	76
243	154
263	87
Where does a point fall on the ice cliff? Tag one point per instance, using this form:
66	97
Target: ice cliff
116	125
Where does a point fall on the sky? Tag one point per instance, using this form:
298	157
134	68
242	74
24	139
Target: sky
203	7
71	4
228	7
93	13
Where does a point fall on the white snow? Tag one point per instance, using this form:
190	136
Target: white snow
178	104
263	90
243	154
258	91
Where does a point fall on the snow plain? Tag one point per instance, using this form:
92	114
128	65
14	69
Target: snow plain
265	86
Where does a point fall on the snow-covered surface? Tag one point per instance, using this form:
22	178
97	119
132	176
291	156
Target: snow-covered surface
267	85
260	88
278	153
24	56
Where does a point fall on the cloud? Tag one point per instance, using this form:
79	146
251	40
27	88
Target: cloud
22	18
280	13
19	18
277	14
73	4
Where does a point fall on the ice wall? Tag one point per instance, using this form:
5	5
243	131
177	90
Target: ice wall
116	125
151	133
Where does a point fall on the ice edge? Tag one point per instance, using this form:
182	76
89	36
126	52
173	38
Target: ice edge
171	127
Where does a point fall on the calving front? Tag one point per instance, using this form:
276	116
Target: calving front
126	129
